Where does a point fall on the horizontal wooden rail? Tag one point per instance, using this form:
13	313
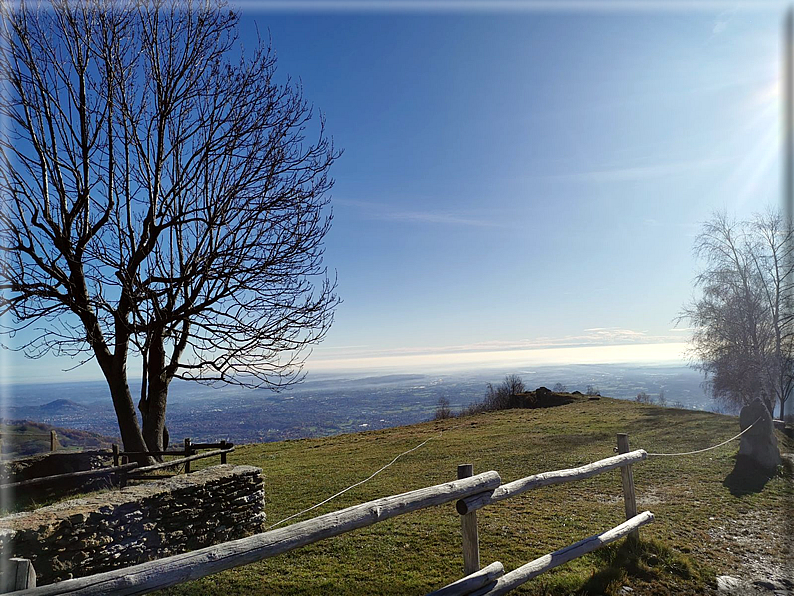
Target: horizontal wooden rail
511	489
182	460
221	445
193	446
523	574
69	475
177	569
475	581
152	453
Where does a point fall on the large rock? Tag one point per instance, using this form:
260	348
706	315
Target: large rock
759	443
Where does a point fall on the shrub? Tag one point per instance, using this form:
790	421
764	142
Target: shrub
443	410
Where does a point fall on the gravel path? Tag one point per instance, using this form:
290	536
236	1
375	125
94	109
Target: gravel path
763	549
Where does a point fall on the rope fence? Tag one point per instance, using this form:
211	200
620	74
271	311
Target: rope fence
440	434
359	483
707	448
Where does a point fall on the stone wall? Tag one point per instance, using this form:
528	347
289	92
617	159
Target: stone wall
118	528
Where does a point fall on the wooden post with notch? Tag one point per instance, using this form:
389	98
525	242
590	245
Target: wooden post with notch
188	453
20	575
468	527
223	455
629	497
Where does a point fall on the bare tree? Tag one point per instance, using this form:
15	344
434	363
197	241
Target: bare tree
160	198
443	411
743	337
559	388
505	395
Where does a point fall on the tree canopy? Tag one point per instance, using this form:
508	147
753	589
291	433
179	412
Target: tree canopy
164	194
743	336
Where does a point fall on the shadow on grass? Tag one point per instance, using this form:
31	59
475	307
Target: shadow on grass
645	562
747	477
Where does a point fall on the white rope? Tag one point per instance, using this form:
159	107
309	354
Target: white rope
341	492
712	447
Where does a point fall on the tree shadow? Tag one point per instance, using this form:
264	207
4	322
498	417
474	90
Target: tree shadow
747	477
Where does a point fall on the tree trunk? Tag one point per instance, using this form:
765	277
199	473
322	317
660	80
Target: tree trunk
153	413
131	435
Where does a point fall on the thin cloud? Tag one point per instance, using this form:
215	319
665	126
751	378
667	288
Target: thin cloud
631	173
383	213
722	20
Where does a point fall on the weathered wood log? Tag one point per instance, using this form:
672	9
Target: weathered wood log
188	453
177	569
222	445
511	489
182	460
470	583
69	476
627	478
510	581
172	452
18	574
468	530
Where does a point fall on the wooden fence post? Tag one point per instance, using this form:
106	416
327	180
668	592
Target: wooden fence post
123	473
468	527
223	455
115	455
53	441
629	497
20	575
188	453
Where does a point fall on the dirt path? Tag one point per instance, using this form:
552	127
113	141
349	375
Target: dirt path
762	549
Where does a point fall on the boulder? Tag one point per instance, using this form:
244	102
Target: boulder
759	443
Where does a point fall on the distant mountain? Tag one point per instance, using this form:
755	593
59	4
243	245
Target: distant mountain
62	406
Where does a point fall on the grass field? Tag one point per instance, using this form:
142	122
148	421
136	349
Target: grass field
682	551
24	437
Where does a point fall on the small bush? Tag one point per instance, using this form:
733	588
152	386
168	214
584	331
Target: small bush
443	410
510	393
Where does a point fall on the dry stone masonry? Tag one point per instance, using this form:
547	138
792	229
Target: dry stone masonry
118	528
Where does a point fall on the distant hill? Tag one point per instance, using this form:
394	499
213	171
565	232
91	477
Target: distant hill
62	406
25	437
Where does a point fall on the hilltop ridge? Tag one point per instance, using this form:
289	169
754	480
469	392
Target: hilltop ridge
707	522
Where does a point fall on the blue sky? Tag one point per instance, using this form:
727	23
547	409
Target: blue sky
526	178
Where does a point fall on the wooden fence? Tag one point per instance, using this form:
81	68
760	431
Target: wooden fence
188	454
469	491
54	444
125	470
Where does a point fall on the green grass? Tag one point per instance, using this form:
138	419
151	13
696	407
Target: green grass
24	437
419	552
